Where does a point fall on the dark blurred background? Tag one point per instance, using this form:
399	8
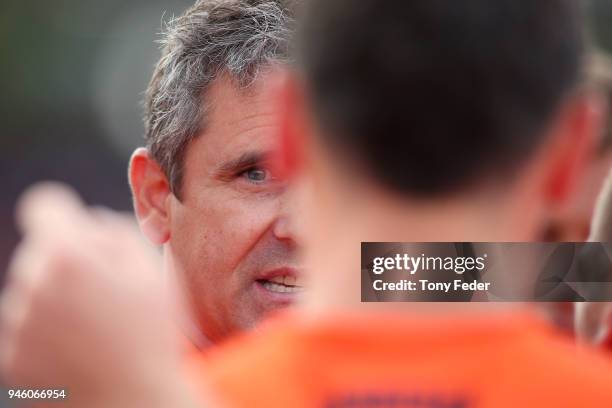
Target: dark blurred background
72	74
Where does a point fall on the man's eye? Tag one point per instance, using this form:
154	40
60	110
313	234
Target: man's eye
256	175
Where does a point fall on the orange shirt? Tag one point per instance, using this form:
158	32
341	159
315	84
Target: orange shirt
381	360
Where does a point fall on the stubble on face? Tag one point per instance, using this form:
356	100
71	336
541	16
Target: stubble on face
233	261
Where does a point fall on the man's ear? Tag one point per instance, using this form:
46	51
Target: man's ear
571	145
150	191
292	127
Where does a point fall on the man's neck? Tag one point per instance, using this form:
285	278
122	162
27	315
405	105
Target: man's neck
335	251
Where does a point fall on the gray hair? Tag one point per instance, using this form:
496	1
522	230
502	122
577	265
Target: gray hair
212	38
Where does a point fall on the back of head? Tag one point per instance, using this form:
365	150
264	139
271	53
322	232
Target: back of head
433	95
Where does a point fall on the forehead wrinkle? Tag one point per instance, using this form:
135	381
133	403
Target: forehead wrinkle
251	132
246	118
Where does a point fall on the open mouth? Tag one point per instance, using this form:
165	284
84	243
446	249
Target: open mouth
281	284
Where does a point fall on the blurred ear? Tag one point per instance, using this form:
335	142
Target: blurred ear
571	145
292	126
150	191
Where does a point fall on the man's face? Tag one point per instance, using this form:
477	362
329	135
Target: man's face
231	241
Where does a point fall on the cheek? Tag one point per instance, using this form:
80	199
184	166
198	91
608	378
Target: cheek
210	241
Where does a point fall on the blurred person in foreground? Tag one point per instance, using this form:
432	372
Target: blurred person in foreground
593	320
571	220
425	120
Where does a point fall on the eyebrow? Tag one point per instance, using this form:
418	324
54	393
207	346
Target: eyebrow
246	160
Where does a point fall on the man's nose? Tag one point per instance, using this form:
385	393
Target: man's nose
286	224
